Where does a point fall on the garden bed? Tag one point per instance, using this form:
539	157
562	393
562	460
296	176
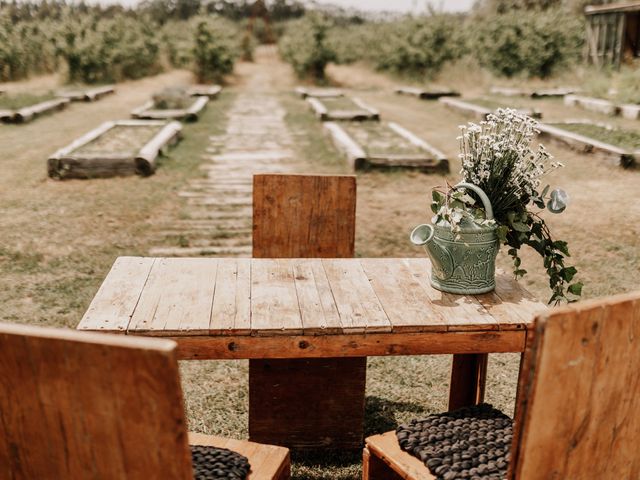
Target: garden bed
153	110
385	145
427	94
541	93
115	149
305	92
598	105
211	91
622	147
23	108
342	108
86	94
492	104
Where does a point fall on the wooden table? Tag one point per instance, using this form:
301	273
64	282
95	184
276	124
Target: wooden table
243	308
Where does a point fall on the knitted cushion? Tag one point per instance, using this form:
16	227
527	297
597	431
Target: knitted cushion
211	463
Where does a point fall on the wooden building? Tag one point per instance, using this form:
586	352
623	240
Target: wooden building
613	33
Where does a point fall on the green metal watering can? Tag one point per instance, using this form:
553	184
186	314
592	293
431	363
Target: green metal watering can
466	264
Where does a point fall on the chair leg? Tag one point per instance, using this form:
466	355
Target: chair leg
374	468
468	378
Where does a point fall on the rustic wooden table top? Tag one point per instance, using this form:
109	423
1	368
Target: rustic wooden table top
220	297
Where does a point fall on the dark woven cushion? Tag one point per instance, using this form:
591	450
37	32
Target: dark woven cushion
471	443
211	463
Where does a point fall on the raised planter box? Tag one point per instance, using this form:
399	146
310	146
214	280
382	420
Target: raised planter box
541	93
120	148
342	108
630	111
385	145
583	144
593	104
211	91
148	112
480	112
27	114
424	94
87	95
305	92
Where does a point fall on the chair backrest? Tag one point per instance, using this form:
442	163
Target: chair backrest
79	405
302	216
579	394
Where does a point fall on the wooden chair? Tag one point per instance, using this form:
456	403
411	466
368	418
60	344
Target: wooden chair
76	405
301	216
578	401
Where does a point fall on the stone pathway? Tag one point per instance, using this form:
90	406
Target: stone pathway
218	208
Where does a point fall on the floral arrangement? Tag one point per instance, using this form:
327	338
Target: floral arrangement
497	156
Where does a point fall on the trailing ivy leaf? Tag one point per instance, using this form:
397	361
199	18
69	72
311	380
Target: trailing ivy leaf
576	288
568	273
544	191
501	232
520	227
562	246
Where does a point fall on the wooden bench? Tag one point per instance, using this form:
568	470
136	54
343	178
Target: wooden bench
77	405
578	401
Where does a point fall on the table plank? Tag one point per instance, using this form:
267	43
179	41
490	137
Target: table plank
274	300
231	309
115	301
405	302
177	298
461	312
359	307
317	306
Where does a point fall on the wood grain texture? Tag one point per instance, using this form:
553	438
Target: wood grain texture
385	448
351	345
580	418
303	216
268	462
84	405
468	378
307	403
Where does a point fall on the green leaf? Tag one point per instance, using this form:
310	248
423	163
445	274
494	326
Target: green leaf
501	232
544	191
562	246
568	273
437	196
576	288
520	227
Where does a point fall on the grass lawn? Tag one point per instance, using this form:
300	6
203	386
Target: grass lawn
16	101
627	139
378	140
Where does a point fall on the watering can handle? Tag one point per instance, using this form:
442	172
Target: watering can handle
483	196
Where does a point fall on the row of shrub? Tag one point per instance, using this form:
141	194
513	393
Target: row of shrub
98	48
534	43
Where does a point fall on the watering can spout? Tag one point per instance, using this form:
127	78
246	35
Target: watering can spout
441	261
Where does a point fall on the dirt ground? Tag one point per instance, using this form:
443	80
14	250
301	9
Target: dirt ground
59	239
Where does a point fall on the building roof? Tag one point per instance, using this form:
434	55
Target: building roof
612	8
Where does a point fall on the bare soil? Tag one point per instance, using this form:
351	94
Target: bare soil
379	140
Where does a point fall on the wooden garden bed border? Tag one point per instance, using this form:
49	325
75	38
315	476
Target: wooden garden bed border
211	91
27	114
630	111
365	113
425	94
479	112
305	92
61	164
88	95
583	144
358	158
147	112
541	93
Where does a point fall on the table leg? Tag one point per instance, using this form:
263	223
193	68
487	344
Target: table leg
307	403
468	378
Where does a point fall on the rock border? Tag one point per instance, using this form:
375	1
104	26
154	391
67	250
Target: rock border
479	112
433	161
27	114
305	92
63	164
424	94
365	112
147	112
199	90
88	95
583	144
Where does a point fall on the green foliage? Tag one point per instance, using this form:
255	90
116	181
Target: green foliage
215	49
629	86
627	139
305	46
530	43
20	100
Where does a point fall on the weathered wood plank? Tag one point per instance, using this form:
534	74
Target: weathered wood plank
231	309
112	307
